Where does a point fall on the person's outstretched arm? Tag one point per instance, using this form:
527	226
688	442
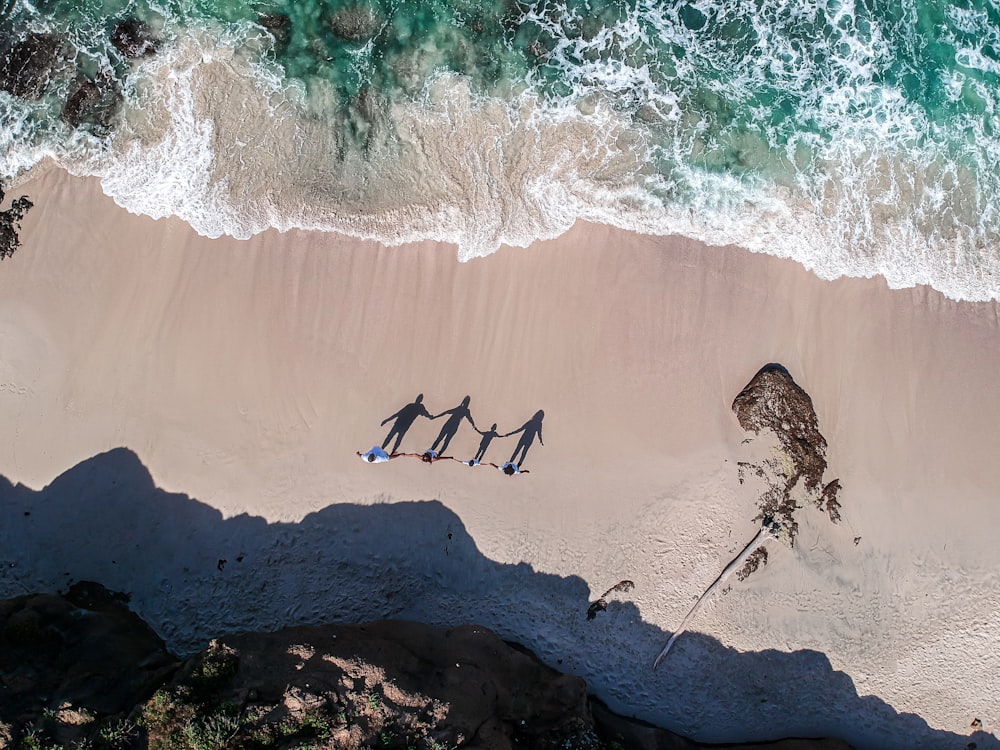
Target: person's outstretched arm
390	418
514	432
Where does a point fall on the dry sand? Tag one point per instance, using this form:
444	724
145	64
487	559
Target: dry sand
243	376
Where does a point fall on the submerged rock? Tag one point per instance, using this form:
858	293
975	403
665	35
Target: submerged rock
30	64
83	98
134	39
355	23
279	26
93	102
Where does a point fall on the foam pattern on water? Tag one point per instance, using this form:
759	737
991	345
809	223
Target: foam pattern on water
855	139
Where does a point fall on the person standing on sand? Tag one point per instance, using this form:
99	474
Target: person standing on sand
377	455
530	429
405	418
485	442
458	414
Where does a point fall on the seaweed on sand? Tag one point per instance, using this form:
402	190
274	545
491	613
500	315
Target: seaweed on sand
10	224
773	402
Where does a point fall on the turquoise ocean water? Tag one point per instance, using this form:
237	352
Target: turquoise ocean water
855	137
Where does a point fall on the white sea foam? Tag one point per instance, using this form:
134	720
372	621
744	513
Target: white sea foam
213	134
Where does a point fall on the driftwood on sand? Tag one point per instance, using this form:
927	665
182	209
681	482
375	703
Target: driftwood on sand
773	402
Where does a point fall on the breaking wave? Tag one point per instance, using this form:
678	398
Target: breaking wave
857	140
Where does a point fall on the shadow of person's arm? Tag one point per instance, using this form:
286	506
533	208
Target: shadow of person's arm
514	432
389	419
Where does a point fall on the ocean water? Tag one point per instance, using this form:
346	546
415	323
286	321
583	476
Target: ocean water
858	138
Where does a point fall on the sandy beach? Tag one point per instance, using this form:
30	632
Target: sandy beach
181	419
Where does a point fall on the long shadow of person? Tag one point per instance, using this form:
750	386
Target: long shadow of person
484	444
458	414
405	418
529	430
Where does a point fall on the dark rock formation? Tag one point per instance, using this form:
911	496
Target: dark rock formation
93	102
279	26
83	98
773	401
10	224
355	23
134	39
85	654
30	64
391	683
82	669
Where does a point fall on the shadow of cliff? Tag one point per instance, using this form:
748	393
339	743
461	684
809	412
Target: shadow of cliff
193	575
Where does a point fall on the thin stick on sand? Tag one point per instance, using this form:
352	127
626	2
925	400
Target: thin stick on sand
768	531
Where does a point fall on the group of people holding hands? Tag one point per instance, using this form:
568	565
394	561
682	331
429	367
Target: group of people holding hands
403	419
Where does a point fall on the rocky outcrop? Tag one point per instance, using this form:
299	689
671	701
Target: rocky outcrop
279	26
31	64
70	661
81	668
91	102
134	39
397	683
773	402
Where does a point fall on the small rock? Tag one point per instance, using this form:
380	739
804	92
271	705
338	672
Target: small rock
134	39
279	26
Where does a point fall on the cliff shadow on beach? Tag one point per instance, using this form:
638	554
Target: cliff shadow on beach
194	575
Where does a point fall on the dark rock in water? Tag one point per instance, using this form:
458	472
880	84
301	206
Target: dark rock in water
10	224
773	401
93	102
85	653
30	64
279	26
134	39
355	23
369	119
83	98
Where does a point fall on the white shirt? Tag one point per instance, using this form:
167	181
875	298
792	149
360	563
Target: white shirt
375	456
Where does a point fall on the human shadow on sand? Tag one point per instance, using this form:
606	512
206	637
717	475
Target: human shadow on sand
403	420
194	575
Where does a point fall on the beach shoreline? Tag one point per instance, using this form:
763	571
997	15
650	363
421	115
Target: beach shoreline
243	377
